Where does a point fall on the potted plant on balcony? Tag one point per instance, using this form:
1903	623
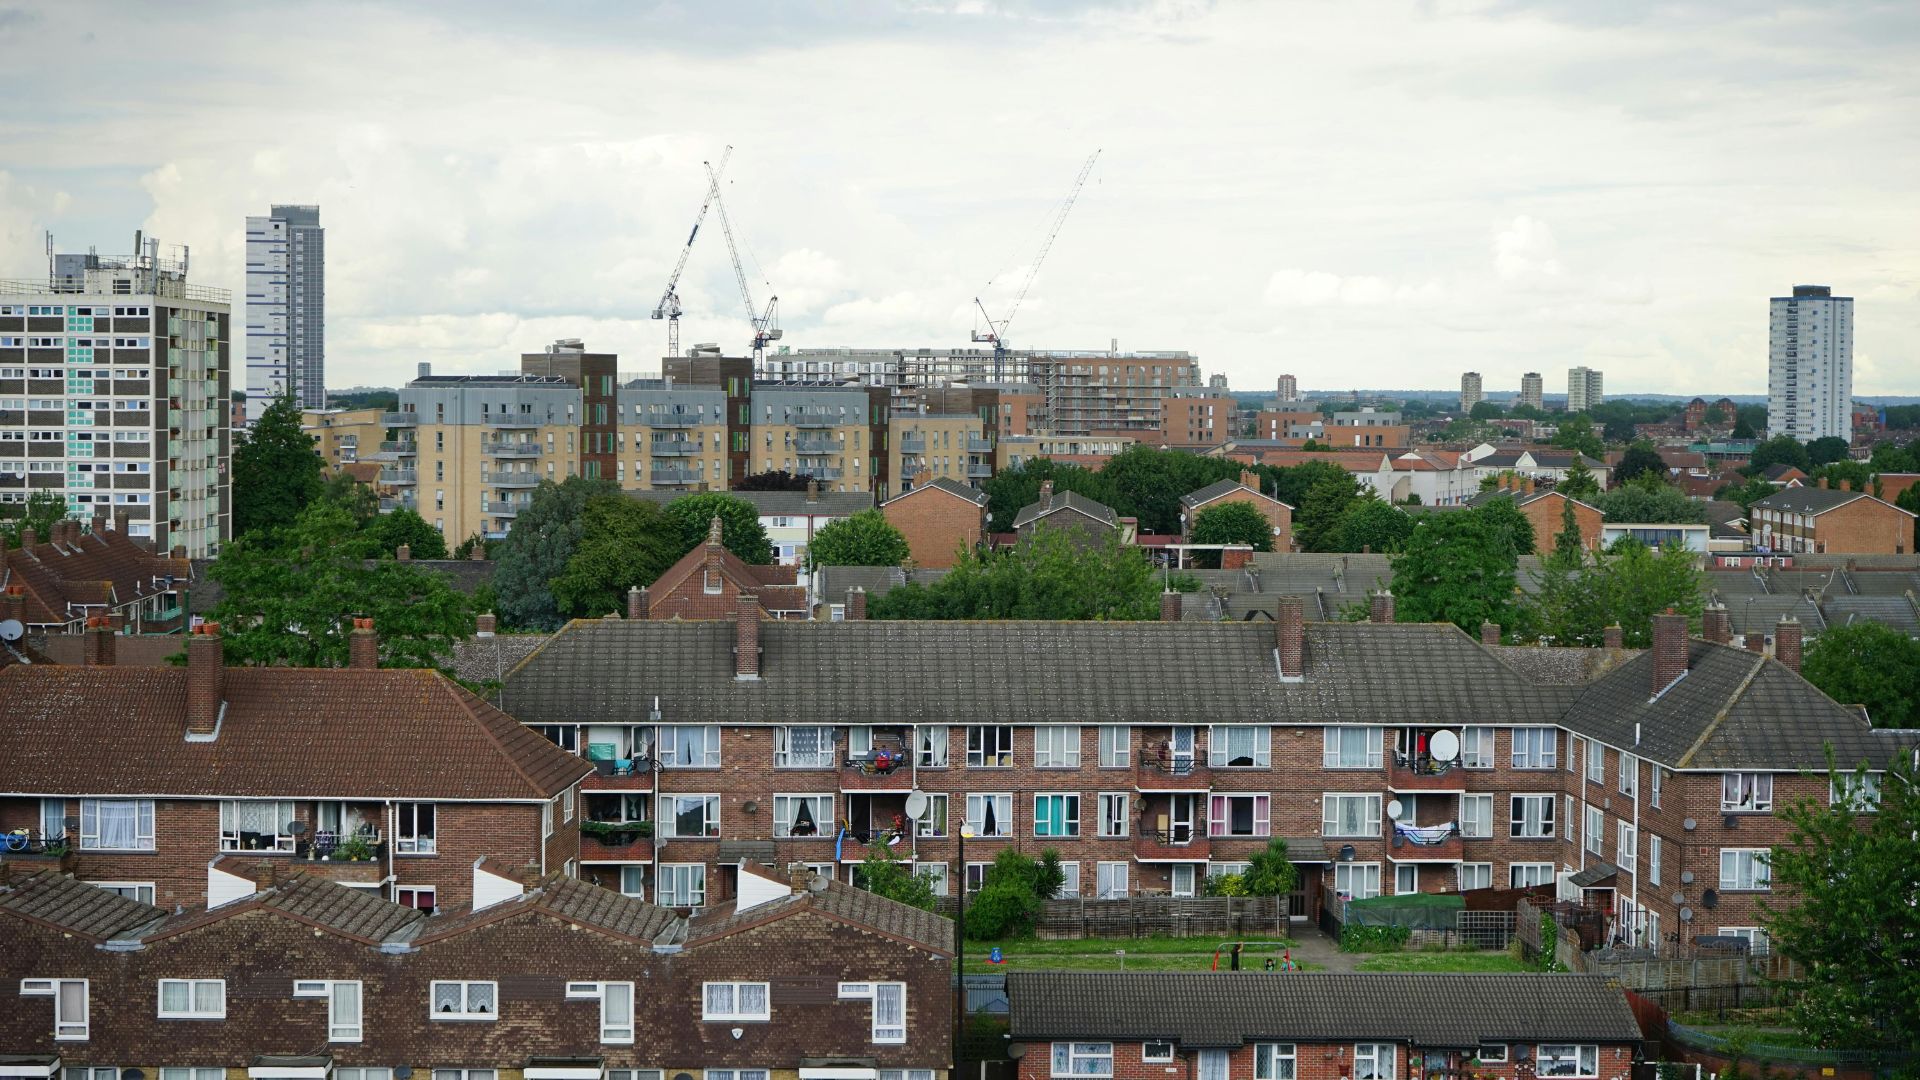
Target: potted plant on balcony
353	849
617	833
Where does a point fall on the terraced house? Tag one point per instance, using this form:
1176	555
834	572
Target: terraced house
1391	757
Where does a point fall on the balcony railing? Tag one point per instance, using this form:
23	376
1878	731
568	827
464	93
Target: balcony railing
399	476
816	447
673	476
510	449
332	847
675	420
510	420
818	472
400	447
408	418
1428	843
673	447
1176	845
980	472
504	507
913	444
521	479
23	844
622	846
1156	773
872	772
979	444
815	420
1410	773
389	505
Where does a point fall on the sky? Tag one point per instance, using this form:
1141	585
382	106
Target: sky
1361	194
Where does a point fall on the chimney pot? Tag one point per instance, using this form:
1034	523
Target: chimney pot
799	877
363	646
1669	649
746	637
205	673
1756	642
1380	608
1169	606
1786	641
1489	633
1046	490
813	491
179	551
120	522
1716	625
403	553
99	525
637	603
856	609
1613	637
1290	634
98	648
478	552
29	536
484	623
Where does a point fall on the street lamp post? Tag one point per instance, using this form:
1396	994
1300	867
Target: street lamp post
960	950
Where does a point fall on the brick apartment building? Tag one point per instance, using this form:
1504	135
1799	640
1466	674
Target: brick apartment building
709	581
1151	754
1244	490
1546	510
390	781
1319	1026
57	583
300	978
939	520
1824	520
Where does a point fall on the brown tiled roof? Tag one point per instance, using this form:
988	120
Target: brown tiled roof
360	914
99	568
285	732
773	584
570	899
75	907
838	901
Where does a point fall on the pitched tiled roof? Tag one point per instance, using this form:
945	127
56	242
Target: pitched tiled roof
954	488
1357	673
838	901
286	732
1782	471
832	582
75	907
1544	457
1428	1010
360	914
1218	488
1065	500
565	898
774	585
1812	500
98	568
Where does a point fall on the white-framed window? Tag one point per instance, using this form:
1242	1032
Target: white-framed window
889	1007
1526	875
1596	830
1082	1059
734	1001
1567	821
69	1005
1531	816
1056	746
1110	880
1350	815
1240	746
1629	774
690	816
1056	814
141	891
1746	793
1492	1053
1375	1061
414	829
1116	747
1859	791
1573	752
1406	878
1069	880
116	824
1568	1059
1241	815
343	1005
1626	846
1596	762
934	872
1476	875
1351	747
736	1074
418	897
1654	777
990	815
990	746
1212	1065
616	1008
683	884
193	999
1476	816
547	815
690	746
933	820
1745	870
1154	1052
209	1073
1654	851
1756	938
803	747
802	815
930	746
461	1000
1273	1061
1534	747
1476	748
1356	880
1113	813
339	1073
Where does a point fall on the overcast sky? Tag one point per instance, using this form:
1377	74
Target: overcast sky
1376	195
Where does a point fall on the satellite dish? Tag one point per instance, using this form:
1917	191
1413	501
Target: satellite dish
296	828
1679	898
1686	914
12	630
1016	1051
1346	853
1444	746
1394	809
751	806
818	883
1686	878
916	803
402	1072
1731	821
1710	899
1689	824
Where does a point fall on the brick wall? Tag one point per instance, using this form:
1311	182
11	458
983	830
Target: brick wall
936	524
1312	1061
1864	527
1271	509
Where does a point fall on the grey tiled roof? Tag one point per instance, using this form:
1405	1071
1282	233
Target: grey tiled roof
1364	673
831	583
1065	500
1435	1011
783	503
951	487
571	899
1216	489
1808	500
87	911
839	901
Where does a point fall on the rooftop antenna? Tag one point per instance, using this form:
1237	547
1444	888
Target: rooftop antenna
50	257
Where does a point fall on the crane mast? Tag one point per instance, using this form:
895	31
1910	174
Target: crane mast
996	331
669	306
765	324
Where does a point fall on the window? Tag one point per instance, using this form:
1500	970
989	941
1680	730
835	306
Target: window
1526	875
803	748
1567	820
1476	748
547	813
889	1007
930	746
1110	880
1557	1059
1406	878
690	746
990	747
1596	762
1596	826
343	1006
1374	1061
1116	747
1151	1052
1476	875
53	818
1056	747
934	872
1756	938
933	820
116	824
1534	747
1629	774
193	999
1859	791
1476	816
1492	1053
1056	815
1351	748
690	816
1273	1061
1241	815
802	815
1239	747
1746	793
413	833
418	897
1356	881
1654	845
1626	847
69	1005
1531	816
1082	1059
735	1001
1350	815
341	1073
616	1007
990	815
566	804
1653	795
683	884
1213	1065
463	1001
1745	869
132	890
203	1074
1113	813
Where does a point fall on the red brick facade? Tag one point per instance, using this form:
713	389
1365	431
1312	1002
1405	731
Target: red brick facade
938	524
1310	1061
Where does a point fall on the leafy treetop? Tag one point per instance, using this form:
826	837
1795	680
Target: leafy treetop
276	472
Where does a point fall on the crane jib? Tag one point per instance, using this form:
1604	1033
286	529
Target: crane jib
694	233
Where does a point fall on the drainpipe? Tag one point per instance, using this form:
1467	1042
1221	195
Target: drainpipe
393	840
1638	841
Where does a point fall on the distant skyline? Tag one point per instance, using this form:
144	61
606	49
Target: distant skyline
1383	193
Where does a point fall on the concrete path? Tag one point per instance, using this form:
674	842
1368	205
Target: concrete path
1316	948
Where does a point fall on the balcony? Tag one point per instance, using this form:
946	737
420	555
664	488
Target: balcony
399	476
818	472
21	846
406	502
672	477
399	448
408	418
521	479
1177	845
979	444
504	507
1425	844
509	449
501	421
673	447
1171	774
816	420
676	420
816	447
876	772
636	779
1408	773
980	472
616	845
913	444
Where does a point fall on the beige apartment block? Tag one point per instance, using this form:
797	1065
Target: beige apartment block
827	434
671	438
344	436
924	448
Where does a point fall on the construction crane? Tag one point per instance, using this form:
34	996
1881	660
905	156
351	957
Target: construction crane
765	324
669	306
996	331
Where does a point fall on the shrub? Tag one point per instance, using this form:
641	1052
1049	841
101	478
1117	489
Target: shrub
1354	938
1001	909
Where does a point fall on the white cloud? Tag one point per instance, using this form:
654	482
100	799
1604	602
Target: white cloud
1525	250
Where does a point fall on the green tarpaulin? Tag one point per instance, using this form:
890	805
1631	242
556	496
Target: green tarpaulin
1415	911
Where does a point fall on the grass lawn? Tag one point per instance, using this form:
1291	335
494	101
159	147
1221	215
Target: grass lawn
1102	954
1442	961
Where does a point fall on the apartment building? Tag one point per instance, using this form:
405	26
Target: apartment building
1297	425
833	435
1810	364
1152	754
114	395
1088	452
1470	392
1198	418
671	439
468	450
1532	391
1822	520
295	977
345	436
286	309
1369	428
391	781
924	447
1287	389
1584	389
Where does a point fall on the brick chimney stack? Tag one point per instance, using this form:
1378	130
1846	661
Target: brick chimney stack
205	672
856	609
484	624
363	646
120	522
746	637
403	553
29	536
477	553
1380	606
13	604
1489	632
1290	636
1756	641
1169	606
98	648
1786	641
1716	625
813	491
99	525
1250	479
1669	649
637	603
799	877
1613	637
714	546
1046	491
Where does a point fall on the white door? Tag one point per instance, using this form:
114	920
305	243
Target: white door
1111	880
1182	750
1180	830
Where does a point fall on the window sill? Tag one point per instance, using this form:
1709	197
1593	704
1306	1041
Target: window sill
450	1019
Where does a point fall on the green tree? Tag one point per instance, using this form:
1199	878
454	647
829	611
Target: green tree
1745	494
1891	457
1744	428
1650	501
403	526
740	528
1870	664
623	542
276	472
1290	485
1576	433
1779	450
1850	475
774	480
1715	415
864	539
1011	894
1485	410
1147	483
1010	489
881	876
1640	459
1045	576
1636	584
39	513
1232	523
1270	873
1909	500
1826	449
289	597
1504	515
1372	525
537	549
1853	925
1320	511
1579	483
1458	567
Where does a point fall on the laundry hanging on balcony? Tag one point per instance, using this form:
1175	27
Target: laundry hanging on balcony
1424	835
